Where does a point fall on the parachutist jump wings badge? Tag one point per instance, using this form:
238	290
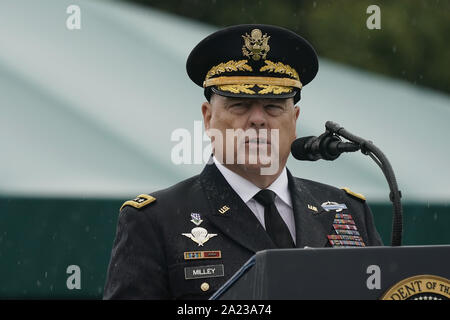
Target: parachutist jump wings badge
199	235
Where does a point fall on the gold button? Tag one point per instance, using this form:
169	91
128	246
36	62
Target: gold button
204	286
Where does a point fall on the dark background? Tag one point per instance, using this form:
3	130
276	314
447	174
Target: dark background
413	43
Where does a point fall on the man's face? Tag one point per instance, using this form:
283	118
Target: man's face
263	129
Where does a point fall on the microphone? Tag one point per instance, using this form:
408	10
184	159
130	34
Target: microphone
327	146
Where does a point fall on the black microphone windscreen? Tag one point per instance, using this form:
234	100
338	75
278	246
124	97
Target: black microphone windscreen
298	148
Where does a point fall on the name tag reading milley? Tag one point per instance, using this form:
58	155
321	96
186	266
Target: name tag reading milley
211	271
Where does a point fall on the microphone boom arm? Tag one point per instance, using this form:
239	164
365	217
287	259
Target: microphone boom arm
368	148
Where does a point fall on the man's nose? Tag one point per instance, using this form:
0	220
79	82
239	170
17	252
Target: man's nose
257	118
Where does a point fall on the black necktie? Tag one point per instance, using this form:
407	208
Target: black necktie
275	226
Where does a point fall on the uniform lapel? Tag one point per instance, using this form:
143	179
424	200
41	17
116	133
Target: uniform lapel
312	227
230	214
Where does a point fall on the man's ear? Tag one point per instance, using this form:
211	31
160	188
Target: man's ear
206	112
297	112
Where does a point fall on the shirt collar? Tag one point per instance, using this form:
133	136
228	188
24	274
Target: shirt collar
247	190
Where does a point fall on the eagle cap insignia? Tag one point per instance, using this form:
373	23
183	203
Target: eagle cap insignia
256	45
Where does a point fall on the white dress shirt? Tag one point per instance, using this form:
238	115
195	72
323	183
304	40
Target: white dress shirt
247	190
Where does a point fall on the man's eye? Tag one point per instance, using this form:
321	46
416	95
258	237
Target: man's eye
274	109
238	107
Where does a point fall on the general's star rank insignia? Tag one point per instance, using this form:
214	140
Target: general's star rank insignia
139	202
199	235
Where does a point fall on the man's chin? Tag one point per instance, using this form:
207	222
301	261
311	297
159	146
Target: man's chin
251	160
253	168
256	164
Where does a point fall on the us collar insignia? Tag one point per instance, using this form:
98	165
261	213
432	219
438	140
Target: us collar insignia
255	45
333	206
224	209
313	208
199	235
196	219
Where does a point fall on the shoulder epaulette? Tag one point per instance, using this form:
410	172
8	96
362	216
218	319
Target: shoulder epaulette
357	195
139	202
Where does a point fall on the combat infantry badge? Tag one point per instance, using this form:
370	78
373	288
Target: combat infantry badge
255	45
329	205
199	235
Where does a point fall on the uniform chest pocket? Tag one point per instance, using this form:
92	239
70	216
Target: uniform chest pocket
196	280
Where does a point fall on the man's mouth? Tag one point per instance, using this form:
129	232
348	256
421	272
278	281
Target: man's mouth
256	141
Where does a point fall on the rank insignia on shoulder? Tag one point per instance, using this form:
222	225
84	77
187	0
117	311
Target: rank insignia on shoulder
139	202
354	194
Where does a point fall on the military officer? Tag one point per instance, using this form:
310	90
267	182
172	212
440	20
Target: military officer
185	241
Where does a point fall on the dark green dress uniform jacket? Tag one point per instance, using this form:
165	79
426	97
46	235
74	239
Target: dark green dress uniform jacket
148	262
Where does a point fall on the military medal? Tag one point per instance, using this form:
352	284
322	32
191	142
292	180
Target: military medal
195	255
344	226
199	235
347	243
343	216
347	234
343	221
344	237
